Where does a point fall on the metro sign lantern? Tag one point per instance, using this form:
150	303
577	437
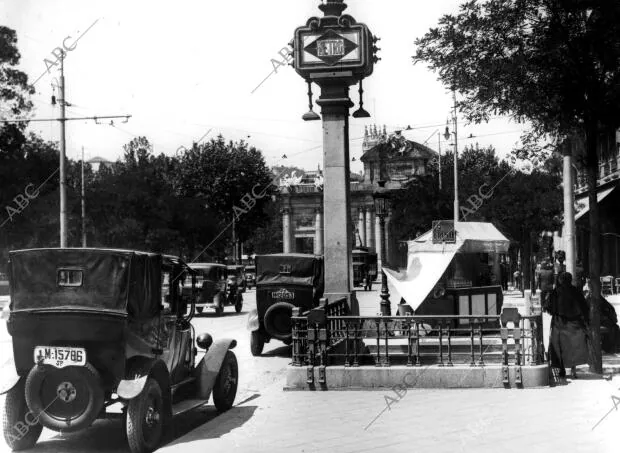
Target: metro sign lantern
319	51
334	49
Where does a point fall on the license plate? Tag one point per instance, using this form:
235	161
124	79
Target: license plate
60	356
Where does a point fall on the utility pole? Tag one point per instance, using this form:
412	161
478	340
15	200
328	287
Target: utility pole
456	165
569	208
83	205
63	145
439	148
234	240
456	157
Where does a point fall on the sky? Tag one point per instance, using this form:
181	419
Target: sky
189	70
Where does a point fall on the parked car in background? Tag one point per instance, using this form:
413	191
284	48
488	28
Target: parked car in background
250	276
213	288
283	281
92	328
236	277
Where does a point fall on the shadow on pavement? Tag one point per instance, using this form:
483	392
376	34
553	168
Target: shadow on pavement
102	436
109	435
280	351
232	419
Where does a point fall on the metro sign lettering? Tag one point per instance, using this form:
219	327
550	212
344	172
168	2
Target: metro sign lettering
330	48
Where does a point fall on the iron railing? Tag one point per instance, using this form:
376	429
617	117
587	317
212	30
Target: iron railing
327	335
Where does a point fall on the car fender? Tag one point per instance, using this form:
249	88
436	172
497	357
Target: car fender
209	366
253	321
138	371
8	375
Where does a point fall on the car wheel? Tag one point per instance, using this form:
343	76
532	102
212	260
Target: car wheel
18	423
219	304
278	321
239	304
257	343
225	388
65	399
145	419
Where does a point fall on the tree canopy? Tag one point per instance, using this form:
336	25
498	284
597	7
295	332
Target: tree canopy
489	190
555	63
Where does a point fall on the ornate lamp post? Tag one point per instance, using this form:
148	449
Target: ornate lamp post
381	198
335	52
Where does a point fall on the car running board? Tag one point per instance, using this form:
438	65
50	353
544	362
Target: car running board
186	406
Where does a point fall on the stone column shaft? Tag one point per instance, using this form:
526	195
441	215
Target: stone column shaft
378	243
370	231
335	104
361	227
318	234
286	230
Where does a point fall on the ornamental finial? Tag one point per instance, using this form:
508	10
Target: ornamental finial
333	7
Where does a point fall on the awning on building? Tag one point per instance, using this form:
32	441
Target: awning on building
584	203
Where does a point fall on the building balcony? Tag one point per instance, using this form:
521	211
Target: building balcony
608	170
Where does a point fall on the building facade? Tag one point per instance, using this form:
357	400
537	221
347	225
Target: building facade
392	158
608	200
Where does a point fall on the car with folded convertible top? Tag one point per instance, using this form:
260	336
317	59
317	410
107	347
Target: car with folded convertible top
98	329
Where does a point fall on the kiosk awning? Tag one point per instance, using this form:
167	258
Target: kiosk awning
424	269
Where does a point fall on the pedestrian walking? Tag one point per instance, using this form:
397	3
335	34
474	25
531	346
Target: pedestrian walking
504	271
517	276
568	345
546	281
579	275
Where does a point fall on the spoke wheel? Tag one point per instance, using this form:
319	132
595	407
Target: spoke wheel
145	419
225	388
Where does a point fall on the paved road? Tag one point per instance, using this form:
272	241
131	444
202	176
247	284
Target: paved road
471	420
255	375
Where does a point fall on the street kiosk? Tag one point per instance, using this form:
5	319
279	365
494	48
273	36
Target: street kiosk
453	271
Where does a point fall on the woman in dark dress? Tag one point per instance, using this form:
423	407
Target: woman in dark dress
568	345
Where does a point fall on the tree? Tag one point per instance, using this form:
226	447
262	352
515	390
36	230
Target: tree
232	179
490	190
555	63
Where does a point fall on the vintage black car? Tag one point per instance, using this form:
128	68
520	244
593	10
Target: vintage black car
250	276
283	281
94	327
236	277
214	289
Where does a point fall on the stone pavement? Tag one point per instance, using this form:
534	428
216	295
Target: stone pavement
557	418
